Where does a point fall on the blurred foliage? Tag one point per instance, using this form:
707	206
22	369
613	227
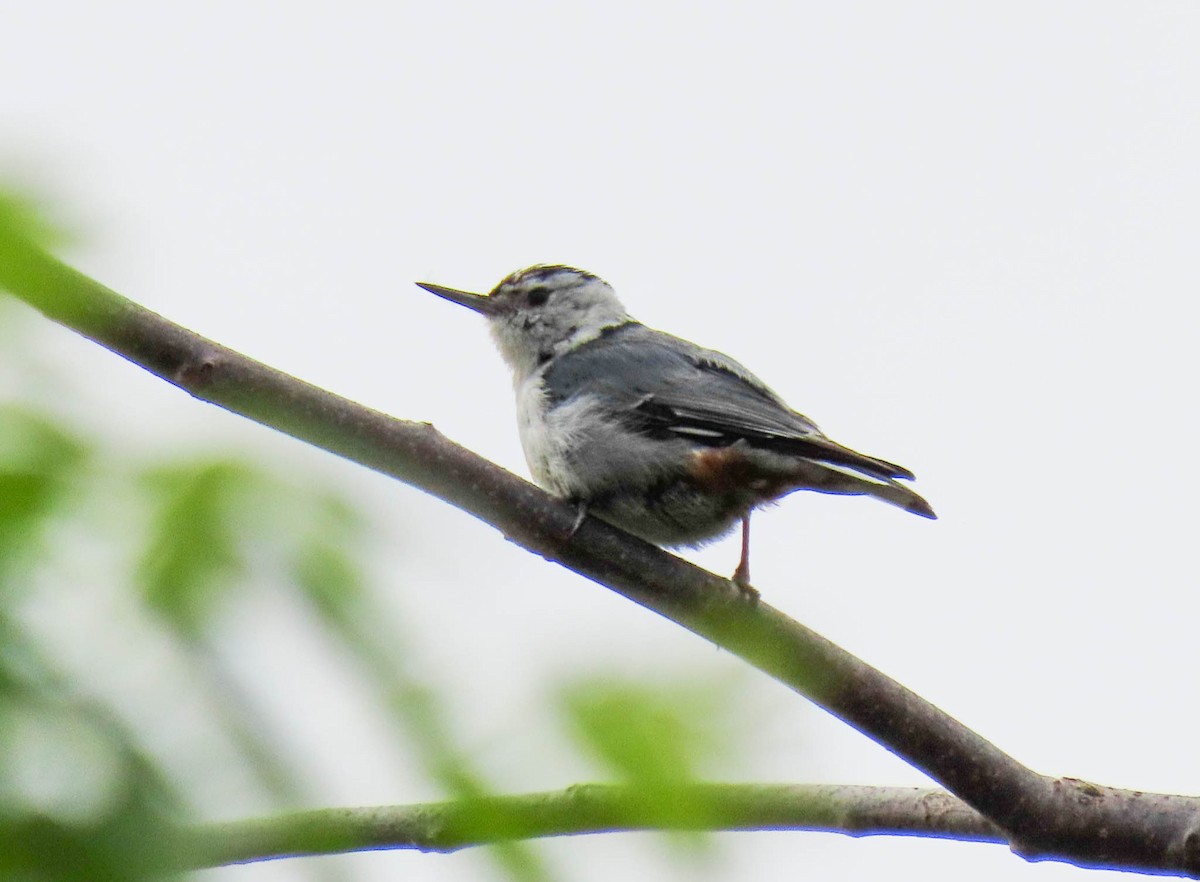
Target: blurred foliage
653	737
39	462
26	238
192	555
335	587
24	217
78	798
656	738
81	798
85	792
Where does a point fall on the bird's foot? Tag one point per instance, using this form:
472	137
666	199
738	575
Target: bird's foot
741	581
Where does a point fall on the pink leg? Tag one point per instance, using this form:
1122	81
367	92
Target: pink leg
741	576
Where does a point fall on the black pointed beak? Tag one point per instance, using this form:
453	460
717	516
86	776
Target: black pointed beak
478	302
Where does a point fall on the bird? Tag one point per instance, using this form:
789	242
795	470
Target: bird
656	435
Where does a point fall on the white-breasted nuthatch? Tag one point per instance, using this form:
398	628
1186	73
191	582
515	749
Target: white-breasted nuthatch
658	436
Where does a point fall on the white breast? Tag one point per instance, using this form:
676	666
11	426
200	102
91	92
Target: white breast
545	449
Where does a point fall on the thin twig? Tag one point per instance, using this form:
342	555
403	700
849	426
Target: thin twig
591	808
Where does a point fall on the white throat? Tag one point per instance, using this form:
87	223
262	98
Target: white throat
529	338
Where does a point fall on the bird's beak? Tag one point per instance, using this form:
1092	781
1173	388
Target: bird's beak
478	302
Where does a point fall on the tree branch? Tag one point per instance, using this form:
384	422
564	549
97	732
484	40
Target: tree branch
590	808
1060	819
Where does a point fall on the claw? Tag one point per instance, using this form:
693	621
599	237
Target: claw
749	593
580	514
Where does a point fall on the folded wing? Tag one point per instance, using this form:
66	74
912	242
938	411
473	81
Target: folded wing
664	385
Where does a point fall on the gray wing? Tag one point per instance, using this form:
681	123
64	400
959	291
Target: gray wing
667	386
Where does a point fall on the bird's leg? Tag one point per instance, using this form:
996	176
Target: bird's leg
741	576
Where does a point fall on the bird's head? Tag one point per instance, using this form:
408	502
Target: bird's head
543	311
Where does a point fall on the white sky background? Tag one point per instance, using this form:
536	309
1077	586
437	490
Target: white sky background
959	236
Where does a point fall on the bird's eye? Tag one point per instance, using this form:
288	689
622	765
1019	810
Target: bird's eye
537	296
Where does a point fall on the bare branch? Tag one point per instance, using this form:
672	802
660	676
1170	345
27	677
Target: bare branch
591	808
1061	819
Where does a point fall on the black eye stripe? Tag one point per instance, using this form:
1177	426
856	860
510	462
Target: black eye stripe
537	296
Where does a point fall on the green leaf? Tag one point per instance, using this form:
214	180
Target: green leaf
325	564
39	464
22	218
647	736
655	738
193	556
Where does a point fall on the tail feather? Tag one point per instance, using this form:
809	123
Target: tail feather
901	496
853	480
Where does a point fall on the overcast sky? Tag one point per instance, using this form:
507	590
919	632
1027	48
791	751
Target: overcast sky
961	237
